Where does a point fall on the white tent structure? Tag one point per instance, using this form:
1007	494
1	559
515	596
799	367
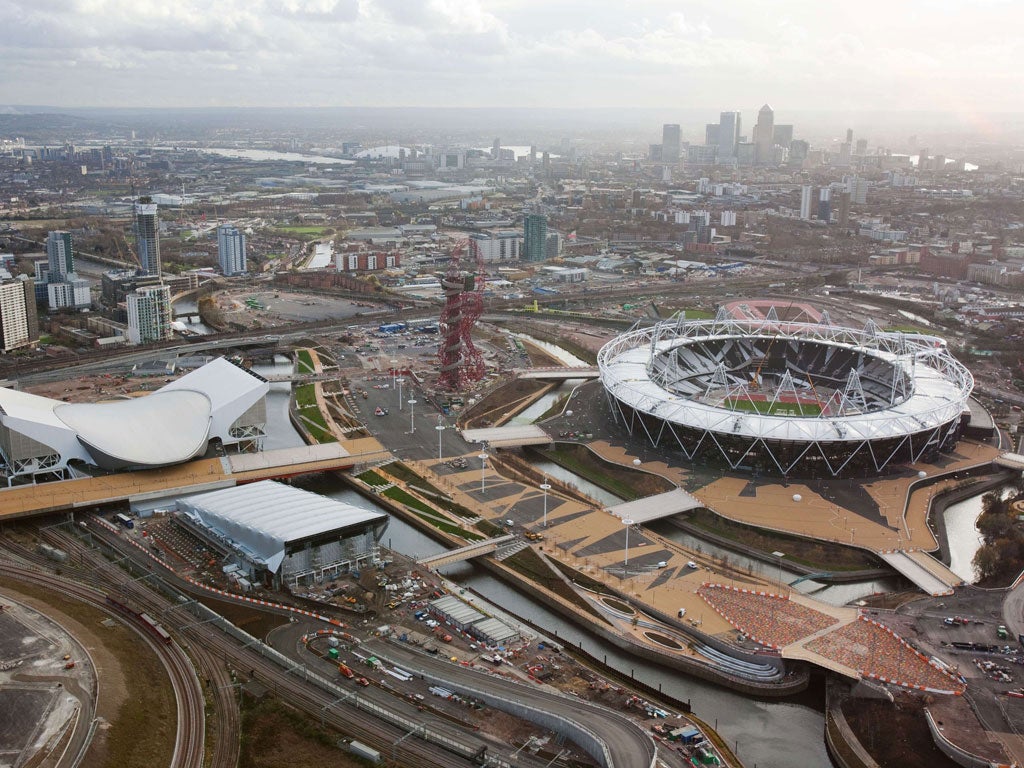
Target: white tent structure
296	535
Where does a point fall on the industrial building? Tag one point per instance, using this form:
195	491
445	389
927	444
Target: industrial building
465	618
280	535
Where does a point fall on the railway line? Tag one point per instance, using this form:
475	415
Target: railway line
189	742
357	714
372	715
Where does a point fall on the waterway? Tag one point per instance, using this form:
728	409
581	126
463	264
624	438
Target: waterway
545	401
769	734
190	309
962	531
260	155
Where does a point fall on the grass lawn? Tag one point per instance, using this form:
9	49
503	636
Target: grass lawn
820	555
529	564
304	361
305	396
625	482
372	478
304	230
774	409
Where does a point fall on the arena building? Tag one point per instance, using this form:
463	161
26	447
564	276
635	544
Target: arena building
220	402
278	534
787	398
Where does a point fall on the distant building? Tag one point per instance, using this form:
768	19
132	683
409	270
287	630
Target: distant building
798	150
729	131
72	293
670	143
365	261
711	134
497	245
782	136
231	250
147	236
805	201
117	284
746	153
701	154
825	204
844	209
149	314
553	245
19	326
764	135
535	237
60	256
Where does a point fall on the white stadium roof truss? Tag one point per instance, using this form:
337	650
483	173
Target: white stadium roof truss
916	411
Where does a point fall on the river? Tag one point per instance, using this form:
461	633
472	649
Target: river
260	155
769	734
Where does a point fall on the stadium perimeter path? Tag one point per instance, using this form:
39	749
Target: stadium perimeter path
772	505
575	528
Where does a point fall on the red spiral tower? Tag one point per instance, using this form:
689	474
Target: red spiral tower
460	361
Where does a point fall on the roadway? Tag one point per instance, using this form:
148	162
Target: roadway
628	745
350	710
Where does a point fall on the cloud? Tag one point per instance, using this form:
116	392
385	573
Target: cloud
509	52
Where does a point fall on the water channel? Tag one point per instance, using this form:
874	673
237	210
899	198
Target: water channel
770	734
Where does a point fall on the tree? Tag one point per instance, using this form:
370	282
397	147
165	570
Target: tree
986	561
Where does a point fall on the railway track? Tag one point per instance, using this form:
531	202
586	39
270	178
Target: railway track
204	640
189	742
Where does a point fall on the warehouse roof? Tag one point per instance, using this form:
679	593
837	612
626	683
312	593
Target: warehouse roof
262	518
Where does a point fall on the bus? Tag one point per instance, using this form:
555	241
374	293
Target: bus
124	520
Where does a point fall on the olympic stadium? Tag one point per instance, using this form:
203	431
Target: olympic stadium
787	398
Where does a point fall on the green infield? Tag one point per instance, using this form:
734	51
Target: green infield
766	408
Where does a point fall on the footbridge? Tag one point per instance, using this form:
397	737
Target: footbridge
923	570
467	552
1011	461
557	374
300	378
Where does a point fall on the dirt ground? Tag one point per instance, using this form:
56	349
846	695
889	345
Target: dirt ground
895	734
274	735
135	710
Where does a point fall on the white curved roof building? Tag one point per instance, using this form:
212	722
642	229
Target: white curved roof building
784	398
220	401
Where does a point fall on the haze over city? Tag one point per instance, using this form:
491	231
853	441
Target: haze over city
514	383
953	58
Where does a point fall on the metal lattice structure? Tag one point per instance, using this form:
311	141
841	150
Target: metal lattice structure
809	399
460	361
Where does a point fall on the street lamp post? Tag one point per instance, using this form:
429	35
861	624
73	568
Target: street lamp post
400	382
412	415
440	428
625	554
483	471
394	372
779	556
545	486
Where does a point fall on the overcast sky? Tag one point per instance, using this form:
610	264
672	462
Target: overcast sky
957	56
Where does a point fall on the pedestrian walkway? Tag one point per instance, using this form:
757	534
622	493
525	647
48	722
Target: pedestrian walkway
918	574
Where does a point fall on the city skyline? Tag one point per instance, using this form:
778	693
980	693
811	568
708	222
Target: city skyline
440	53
